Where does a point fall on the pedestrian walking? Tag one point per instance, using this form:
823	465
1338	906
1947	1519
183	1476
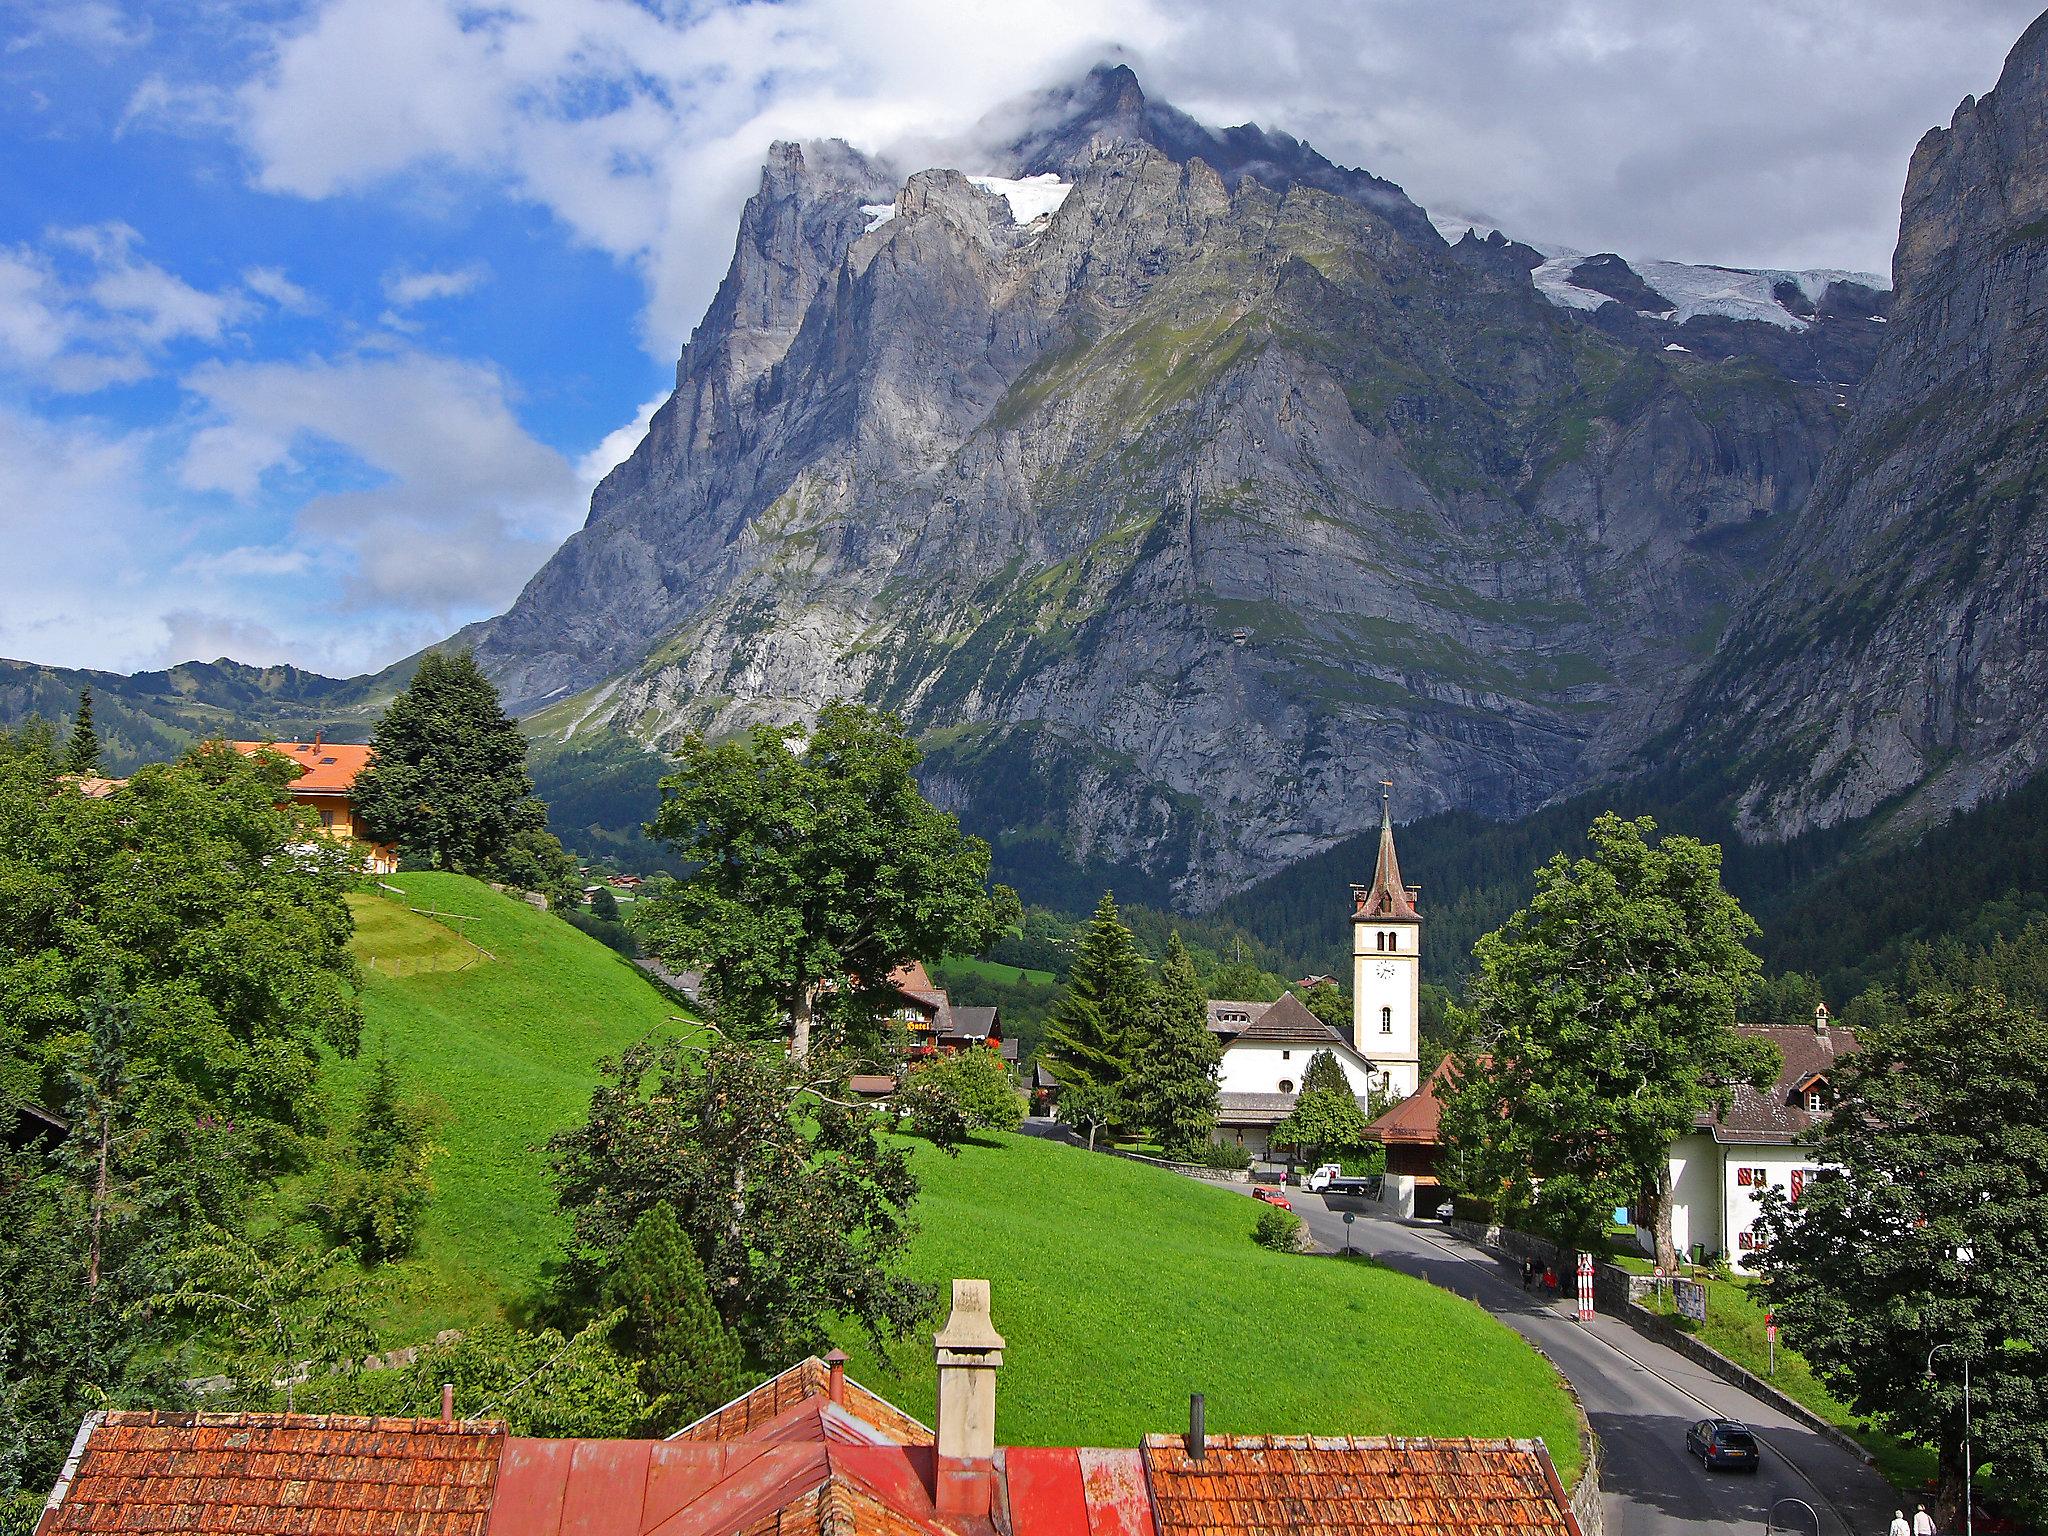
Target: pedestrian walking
1528	1273
1923	1522
1550	1281
1899	1526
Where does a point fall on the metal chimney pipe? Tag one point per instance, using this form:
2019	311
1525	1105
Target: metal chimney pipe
447	1402
1198	1431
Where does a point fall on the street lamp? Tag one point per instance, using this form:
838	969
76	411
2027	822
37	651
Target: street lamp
1771	1519
1969	1462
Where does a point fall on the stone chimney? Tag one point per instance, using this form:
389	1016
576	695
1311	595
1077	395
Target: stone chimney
968	1350
1820	1020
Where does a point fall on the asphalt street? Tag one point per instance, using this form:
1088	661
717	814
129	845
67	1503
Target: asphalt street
1640	1396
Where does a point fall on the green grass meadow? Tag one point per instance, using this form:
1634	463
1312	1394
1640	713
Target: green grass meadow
1121	1288
506	1049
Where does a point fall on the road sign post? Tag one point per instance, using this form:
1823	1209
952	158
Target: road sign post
1585	1287
1349	1217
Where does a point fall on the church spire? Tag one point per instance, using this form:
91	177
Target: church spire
1388	897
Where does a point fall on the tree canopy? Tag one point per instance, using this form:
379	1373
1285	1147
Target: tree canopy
1175	1059
1605	1015
447	782
796	1207
1093	1029
819	868
1326	1116
1924	1226
82	746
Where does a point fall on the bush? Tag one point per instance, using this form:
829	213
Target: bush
613	935
1279	1230
947	1097
1222	1154
934	1111
370	1184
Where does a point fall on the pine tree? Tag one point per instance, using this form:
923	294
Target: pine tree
1176	1057
1093	1028
447	781
690	1361
82	747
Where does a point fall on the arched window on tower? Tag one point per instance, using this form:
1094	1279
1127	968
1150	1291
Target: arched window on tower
1394	939
1386	1021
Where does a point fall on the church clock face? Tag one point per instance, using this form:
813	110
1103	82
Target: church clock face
1386	970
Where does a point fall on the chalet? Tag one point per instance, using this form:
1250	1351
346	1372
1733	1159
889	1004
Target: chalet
936	1025
1722	1167
1412	1133
327	775
810	1452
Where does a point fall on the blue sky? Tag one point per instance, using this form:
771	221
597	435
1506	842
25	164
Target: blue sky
318	321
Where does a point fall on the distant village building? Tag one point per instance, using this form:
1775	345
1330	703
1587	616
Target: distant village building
327	776
1412	1133
936	1025
1386	966
1720	1171
1266	1049
810	1452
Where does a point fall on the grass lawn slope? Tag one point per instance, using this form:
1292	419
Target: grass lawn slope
1120	1289
507	1048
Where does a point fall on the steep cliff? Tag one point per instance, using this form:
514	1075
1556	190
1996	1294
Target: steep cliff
1178	486
1899	648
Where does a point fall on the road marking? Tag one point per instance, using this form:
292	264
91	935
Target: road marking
1792	1466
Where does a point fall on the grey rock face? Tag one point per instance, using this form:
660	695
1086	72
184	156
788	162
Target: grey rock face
1178	518
1900	645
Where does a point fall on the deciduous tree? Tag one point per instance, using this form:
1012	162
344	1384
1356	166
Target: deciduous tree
819	867
1925	1226
797	1208
1326	1117
1606	1012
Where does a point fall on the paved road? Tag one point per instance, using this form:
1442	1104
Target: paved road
1640	1397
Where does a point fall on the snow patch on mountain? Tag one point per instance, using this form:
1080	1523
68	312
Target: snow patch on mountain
878	215
1029	197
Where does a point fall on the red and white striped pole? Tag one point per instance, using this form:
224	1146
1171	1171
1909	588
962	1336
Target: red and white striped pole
1585	1287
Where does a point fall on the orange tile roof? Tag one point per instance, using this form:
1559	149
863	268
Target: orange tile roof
330	767
808	1381
1248	1485
278	1475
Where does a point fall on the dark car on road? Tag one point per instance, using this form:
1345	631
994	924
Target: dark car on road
1723	1443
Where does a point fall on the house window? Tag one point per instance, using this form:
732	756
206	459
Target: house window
1287	1055
1813	1101
1286	1085
1386	1021
327	819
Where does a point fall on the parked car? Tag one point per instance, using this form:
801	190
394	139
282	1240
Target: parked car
1271	1196
1443	1212
1330	1180
1723	1443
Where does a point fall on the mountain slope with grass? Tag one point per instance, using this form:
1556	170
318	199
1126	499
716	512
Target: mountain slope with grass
1120	1287
498	1015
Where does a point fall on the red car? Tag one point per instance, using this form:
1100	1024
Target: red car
1271	1196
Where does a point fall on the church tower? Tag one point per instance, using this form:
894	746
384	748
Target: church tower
1386	966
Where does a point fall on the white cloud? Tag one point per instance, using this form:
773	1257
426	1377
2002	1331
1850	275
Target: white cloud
406	288
619	443
272	284
85	310
460	504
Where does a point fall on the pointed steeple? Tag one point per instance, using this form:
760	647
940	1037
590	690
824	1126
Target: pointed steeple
1387	897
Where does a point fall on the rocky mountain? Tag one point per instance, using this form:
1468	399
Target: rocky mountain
1896	656
1179	485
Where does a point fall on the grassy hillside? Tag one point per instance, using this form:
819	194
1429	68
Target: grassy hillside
1120	1289
507	1047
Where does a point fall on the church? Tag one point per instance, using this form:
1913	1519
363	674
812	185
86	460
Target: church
1268	1046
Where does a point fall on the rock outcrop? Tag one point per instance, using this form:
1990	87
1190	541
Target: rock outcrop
1178	516
1897	655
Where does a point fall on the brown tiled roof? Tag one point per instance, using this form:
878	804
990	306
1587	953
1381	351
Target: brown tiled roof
1288	1022
1418	1119
1224	1011
1780	1114
280	1475
330	767
1250	1485
809	1379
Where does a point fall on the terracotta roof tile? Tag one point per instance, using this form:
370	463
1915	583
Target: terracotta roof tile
1248	1485
752	1411
330	767
280	1475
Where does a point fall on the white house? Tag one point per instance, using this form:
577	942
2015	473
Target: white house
1720	1169
1266	1049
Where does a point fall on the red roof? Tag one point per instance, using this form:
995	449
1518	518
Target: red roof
1249	1485
279	1475
1418	1119
787	1459
329	768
